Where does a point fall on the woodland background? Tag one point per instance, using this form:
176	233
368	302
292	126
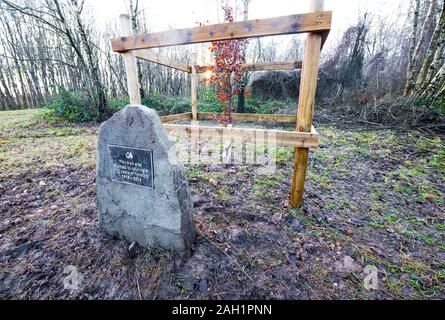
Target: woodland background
374	193
380	71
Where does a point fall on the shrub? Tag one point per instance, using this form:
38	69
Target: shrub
255	105
71	106
164	105
115	104
207	102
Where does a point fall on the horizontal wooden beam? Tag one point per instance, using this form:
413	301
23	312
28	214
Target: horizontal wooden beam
289	65
249	117
176	117
296	23
236	116
156	58
278	138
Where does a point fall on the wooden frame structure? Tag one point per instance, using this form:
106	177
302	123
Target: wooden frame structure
316	24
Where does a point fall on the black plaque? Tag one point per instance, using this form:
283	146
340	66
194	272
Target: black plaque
131	165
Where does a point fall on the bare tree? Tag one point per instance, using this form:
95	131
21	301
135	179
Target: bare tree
411	62
65	20
434	54
431	80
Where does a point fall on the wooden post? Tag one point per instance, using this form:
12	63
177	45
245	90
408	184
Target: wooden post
306	100
194	94
131	68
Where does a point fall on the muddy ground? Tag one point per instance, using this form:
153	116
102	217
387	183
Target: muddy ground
373	199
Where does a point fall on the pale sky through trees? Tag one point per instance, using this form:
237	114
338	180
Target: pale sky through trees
166	14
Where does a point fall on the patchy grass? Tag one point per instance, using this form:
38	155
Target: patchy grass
373	198
18	118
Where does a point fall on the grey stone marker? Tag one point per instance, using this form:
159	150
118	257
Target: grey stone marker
142	193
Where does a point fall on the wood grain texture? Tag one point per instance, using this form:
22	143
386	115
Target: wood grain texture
308	84
278	138
256	117
299	176
249	117
288	65
297	23
306	101
131	67
176	117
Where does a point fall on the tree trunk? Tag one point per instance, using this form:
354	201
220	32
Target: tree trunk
434	57
432	93
409	85
416	58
